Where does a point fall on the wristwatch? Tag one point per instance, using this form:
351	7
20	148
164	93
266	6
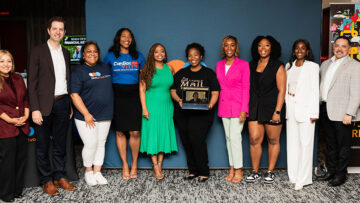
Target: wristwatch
277	112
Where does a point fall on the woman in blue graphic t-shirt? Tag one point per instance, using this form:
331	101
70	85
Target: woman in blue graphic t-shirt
126	63
92	96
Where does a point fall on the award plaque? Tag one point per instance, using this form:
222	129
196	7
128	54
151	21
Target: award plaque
196	98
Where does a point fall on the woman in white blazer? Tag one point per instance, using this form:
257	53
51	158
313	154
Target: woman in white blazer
302	110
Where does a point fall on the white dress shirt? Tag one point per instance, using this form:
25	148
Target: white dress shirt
59	69
329	76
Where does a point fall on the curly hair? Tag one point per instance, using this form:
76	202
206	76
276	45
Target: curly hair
309	54
275	52
223	55
4	52
115	48
88	43
148	71
196	46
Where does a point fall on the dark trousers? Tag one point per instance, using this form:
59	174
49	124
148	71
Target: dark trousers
13	155
55	127
338	142
194	127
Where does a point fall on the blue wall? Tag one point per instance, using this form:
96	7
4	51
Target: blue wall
176	23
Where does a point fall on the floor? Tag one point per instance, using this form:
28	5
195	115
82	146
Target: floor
173	188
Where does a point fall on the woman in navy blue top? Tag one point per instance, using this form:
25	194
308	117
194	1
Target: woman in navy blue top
92	95
125	64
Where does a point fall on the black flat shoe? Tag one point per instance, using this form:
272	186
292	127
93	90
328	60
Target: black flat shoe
190	177
326	177
7	200
203	180
337	181
19	196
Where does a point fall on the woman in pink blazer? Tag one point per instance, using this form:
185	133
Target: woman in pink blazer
233	75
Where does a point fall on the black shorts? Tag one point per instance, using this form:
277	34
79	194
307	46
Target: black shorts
267	122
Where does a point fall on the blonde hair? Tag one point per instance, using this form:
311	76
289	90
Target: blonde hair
4	52
223	55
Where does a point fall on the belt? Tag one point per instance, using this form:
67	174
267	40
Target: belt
60	96
293	95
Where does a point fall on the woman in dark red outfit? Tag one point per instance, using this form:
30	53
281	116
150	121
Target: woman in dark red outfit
14	126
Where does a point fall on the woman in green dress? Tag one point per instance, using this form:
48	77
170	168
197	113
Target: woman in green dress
157	130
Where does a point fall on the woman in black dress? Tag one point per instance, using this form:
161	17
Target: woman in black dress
266	109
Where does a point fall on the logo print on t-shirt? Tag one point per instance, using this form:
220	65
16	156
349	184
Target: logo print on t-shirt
97	75
135	63
186	82
126	66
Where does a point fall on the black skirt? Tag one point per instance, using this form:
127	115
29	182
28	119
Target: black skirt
127	108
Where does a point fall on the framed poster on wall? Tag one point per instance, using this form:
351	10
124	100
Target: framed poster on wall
345	21
73	43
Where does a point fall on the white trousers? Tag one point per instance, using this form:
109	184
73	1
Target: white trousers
233	129
94	141
300	146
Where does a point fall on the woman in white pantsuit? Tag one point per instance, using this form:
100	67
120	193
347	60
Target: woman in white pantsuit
302	110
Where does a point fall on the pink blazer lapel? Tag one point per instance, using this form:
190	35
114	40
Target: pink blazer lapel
231	69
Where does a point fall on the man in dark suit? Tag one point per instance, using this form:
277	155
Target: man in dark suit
340	96
48	85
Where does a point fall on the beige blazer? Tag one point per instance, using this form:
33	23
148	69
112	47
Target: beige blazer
344	93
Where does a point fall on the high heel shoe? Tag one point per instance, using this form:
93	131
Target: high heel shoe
160	168
238	176
133	172
157	173
125	173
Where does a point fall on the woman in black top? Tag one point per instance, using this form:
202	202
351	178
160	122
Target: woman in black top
266	110
194	125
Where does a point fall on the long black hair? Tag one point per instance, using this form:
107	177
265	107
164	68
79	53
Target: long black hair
275	51
115	48
309	54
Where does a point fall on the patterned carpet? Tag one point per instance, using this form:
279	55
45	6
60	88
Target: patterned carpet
174	189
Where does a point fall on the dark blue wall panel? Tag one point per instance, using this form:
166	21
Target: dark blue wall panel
176	23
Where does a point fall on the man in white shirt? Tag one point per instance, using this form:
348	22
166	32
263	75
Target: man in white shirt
340	100
48	85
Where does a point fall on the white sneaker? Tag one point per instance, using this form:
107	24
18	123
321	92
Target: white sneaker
298	187
90	178
100	179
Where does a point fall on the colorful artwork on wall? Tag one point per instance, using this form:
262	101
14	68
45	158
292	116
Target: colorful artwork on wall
345	21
